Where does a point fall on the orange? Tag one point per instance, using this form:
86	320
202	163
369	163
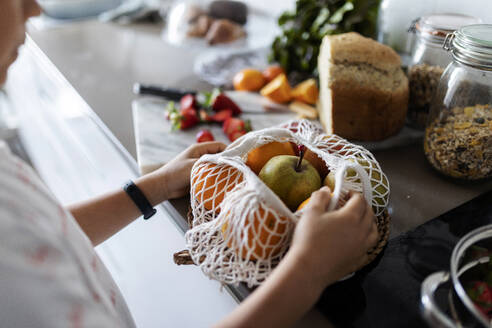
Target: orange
278	90
248	79
268	228
303	204
258	157
329	181
212	182
272	72
306	92
317	162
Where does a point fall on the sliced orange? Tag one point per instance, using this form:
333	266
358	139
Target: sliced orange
271	72
278	90
248	79
306	92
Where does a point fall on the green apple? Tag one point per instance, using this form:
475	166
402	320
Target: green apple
292	184
379	191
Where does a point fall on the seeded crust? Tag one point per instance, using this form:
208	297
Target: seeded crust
364	91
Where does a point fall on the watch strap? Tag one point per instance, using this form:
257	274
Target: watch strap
139	199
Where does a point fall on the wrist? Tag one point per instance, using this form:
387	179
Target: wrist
155	192
309	265
301	266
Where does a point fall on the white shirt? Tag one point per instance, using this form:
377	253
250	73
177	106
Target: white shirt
50	275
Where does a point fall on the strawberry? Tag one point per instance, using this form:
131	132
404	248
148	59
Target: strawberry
184	119
187	101
221	102
204	136
235	128
225	125
235	124
236	134
188	118
204	115
222	116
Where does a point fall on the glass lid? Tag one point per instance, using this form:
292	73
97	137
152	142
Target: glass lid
477	35
472	45
442	24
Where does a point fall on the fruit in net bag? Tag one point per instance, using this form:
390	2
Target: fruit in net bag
291	178
212	182
316	161
242	222
258	157
260	235
379	183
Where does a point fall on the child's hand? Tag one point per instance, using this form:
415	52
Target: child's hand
326	246
334	244
174	177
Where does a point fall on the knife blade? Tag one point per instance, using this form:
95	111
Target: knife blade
249	102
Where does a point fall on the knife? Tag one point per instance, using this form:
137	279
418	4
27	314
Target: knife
249	102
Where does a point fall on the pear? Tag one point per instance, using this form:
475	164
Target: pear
379	190
292	180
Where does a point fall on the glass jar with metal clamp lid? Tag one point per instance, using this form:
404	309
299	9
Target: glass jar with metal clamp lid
458	136
428	61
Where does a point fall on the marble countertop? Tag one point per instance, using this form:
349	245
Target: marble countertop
157	144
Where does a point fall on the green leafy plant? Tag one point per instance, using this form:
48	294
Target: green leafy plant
297	48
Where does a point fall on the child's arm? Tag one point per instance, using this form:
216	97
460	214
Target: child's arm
326	247
103	216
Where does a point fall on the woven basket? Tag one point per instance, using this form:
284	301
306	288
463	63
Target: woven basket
183	257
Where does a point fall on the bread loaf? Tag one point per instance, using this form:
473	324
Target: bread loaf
363	90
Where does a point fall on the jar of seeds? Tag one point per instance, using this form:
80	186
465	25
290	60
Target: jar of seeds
429	60
458	135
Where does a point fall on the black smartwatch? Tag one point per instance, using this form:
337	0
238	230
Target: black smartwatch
139	199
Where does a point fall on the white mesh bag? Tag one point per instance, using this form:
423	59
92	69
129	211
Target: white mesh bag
240	229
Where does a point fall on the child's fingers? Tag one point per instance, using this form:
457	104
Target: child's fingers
203	148
320	200
369	222
356	206
373	237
